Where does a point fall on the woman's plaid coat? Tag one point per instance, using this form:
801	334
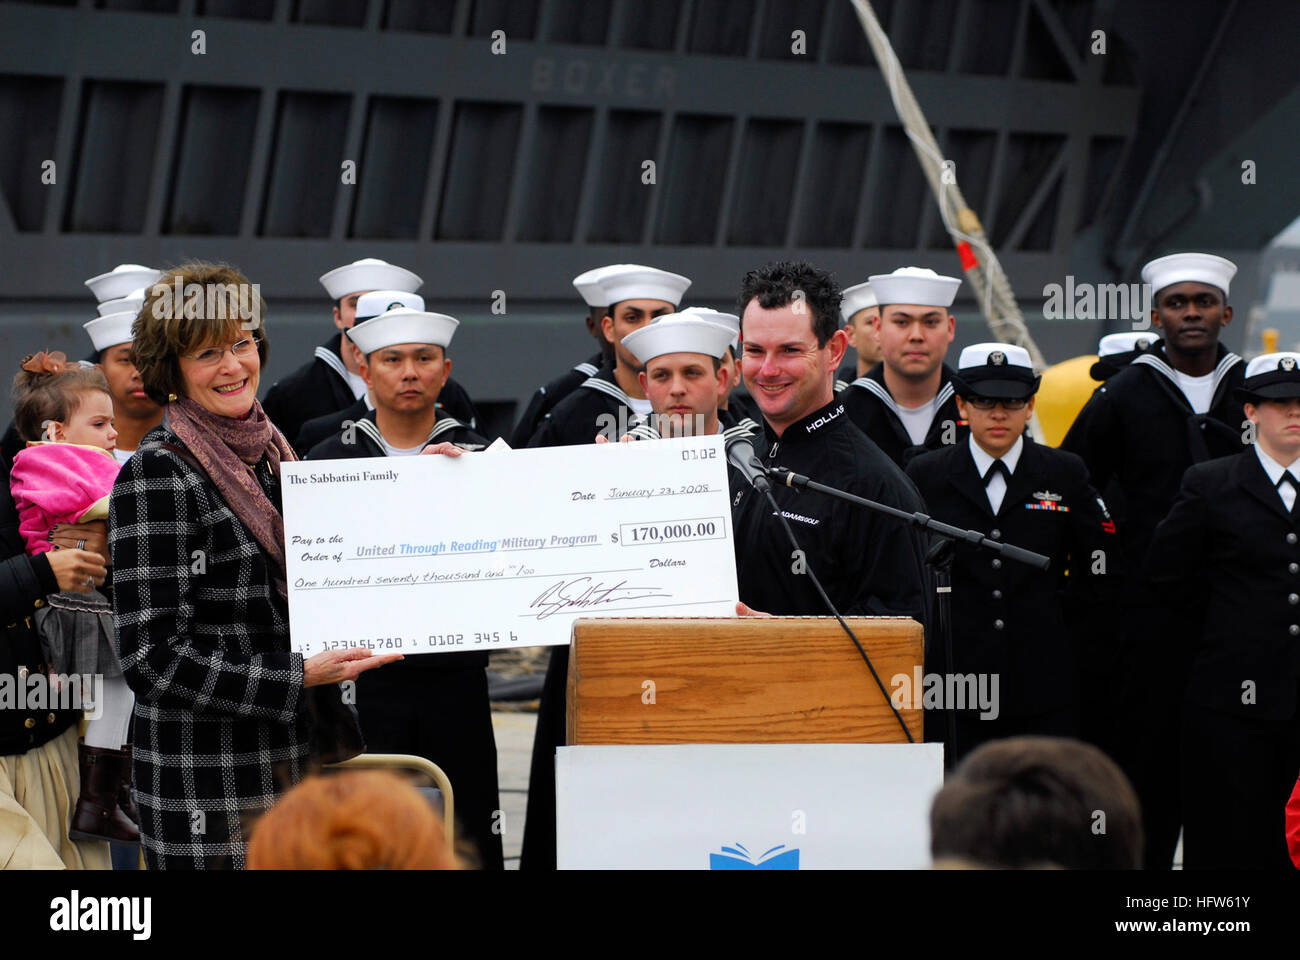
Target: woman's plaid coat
221	722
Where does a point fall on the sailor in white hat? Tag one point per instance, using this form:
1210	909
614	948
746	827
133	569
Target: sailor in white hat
368	305
123	280
906	402
331	381
134	414
859	311
1000	482
434	706
736	405
684	377
1115	351
546	397
606	402
1229	550
1173	406
404	363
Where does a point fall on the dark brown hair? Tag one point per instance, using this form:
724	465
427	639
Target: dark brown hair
1028	802
782	282
42	397
165	330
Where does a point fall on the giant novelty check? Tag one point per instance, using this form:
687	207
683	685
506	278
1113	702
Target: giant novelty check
485	551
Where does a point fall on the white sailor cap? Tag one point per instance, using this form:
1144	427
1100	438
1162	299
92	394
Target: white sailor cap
1182	267
403	325
1114	343
122	280
375	302
717	316
857	297
1000	370
680	333
914	285
368	274
588	283
132	301
630	281
1271	376
109	331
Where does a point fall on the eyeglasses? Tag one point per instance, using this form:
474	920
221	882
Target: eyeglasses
212	356
988	403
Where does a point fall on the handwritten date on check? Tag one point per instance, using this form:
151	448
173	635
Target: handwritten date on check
504	549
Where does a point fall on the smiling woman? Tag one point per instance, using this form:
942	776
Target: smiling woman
200	604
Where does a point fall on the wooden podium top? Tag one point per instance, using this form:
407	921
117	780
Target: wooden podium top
738	680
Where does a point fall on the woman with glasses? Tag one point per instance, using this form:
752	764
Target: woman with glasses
226	716
1021	631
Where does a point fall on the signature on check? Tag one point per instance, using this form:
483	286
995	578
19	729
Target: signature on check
583	592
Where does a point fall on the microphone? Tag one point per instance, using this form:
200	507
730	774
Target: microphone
741	455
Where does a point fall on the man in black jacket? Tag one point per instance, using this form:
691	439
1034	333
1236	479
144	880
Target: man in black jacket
1173	406
1230	549
546	397
432	705
905	404
869	564
1028	628
331	381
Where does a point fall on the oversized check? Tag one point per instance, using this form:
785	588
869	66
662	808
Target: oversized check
435	554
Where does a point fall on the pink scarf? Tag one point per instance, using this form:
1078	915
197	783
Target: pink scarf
228	450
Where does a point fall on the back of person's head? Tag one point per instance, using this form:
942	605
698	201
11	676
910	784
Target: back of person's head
50	388
355	820
1032	802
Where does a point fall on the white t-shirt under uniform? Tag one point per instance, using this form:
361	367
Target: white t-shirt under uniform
1199	391
917	420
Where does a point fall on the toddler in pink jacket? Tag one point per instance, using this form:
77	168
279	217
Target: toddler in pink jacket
64	475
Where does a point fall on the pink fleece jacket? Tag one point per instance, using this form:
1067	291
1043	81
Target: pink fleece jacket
59	483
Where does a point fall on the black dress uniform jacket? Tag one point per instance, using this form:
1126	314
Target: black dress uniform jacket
1139	429
24	583
728	426
222	719
869	564
433	705
874	411
599	404
1230	547
1230	551
319	388
1029	626
322	428
1138	435
545	399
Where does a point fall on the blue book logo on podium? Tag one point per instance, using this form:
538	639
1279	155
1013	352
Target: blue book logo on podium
738	858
